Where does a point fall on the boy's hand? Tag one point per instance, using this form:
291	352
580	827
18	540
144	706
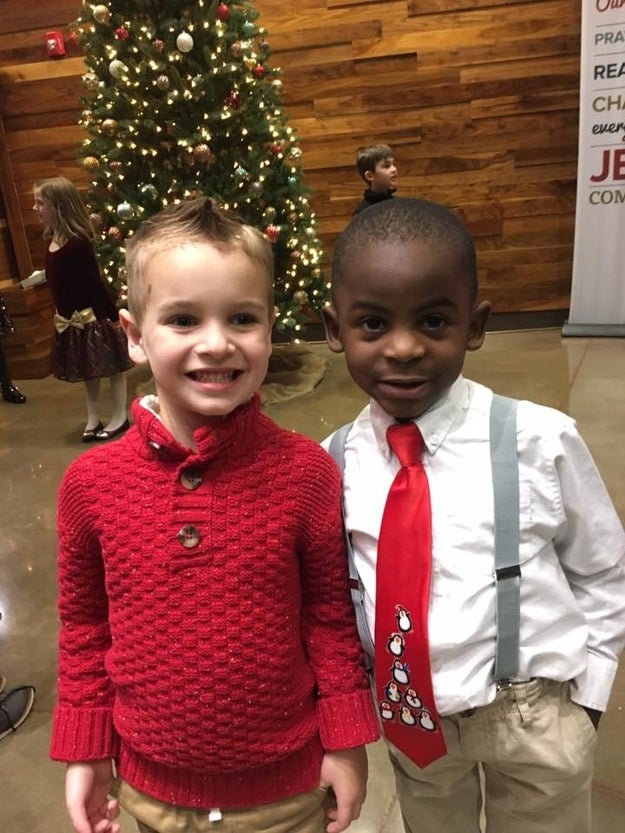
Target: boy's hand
345	772
87	788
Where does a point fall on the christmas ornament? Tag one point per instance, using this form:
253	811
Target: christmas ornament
125	211
158	44
293	218
234	100
259	70
101	14
295	255
90	163
184	42
115	234
237	49
149	191
202	153
117	68
309	232
109	126
239	172
292	180
301	297
272	233
270	213
277	83
295	153
223	12
248	28
264	45
257	188
96	220
90	80
116	166
275	148
162	82
122	33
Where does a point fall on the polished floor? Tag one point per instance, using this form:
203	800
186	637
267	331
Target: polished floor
584	377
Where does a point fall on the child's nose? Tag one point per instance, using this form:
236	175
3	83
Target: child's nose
405	345
214	339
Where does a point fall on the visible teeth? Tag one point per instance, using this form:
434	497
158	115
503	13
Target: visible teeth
214	377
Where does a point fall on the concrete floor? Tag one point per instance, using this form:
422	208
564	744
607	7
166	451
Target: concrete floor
581	376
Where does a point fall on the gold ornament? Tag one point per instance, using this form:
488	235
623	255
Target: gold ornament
162	82
109	126
301	297
101	14
237	49
116	166
115	234
90	162
202	153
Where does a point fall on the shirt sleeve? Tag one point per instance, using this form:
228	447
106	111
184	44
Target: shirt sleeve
345	708
591	549
83	718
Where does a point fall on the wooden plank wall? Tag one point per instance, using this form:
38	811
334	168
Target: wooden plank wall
478	98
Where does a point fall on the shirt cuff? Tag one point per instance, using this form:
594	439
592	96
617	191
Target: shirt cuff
592	687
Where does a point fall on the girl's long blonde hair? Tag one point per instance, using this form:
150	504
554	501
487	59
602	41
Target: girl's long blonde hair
70	213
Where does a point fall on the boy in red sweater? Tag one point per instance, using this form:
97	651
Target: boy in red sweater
208	650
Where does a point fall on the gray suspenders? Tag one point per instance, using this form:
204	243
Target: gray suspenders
505	469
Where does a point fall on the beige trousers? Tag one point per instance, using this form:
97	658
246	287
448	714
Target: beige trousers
304	813
536	751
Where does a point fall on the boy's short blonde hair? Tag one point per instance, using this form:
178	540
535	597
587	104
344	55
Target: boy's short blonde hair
190	222
368	157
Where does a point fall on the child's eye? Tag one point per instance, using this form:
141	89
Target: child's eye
182	321
434	322
373	324
241	319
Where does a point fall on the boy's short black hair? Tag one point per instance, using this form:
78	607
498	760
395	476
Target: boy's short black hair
402	220
368	157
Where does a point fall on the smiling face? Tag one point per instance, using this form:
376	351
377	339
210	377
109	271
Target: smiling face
404	315
205	332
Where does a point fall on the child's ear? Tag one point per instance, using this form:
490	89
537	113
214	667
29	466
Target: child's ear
133	334
331	325
368	177
477	325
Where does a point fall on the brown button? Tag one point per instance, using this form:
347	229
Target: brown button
191	479
189	536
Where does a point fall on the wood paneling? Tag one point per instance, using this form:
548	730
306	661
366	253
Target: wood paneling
478	99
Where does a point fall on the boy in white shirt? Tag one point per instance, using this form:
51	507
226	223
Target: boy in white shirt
404	311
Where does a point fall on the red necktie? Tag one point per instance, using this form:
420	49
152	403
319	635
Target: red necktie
402	655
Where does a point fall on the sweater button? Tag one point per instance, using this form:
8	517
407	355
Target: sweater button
189	536
191	479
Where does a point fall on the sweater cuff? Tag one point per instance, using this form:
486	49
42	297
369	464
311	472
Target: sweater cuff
348	721
83	735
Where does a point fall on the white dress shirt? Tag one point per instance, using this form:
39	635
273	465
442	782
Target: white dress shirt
572	546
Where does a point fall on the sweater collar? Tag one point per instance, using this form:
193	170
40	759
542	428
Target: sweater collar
236	431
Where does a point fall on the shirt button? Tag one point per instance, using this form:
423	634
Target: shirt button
189	536
191	479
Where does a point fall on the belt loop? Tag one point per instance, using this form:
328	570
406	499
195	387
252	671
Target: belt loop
519	692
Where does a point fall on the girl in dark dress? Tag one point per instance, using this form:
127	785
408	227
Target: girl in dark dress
9	392
89	342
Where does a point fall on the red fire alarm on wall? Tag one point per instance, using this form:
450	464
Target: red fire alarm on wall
55	46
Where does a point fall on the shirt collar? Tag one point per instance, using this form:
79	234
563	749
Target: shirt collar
434	424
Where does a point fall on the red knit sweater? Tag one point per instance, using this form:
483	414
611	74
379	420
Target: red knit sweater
216	673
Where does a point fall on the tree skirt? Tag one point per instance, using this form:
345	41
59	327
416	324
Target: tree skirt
294	369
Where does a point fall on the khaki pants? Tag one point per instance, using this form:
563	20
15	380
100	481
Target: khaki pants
304	813
536	750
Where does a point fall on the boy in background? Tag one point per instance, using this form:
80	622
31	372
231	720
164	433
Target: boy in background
376	166
405	311
208	646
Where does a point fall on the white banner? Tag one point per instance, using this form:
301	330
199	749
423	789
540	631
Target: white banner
598	289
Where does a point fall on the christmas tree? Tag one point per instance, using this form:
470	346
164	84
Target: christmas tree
181	101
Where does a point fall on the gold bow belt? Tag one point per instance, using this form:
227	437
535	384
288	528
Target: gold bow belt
80	318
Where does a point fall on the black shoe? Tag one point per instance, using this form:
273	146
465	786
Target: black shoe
11	394
15	708
108	435
89	434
